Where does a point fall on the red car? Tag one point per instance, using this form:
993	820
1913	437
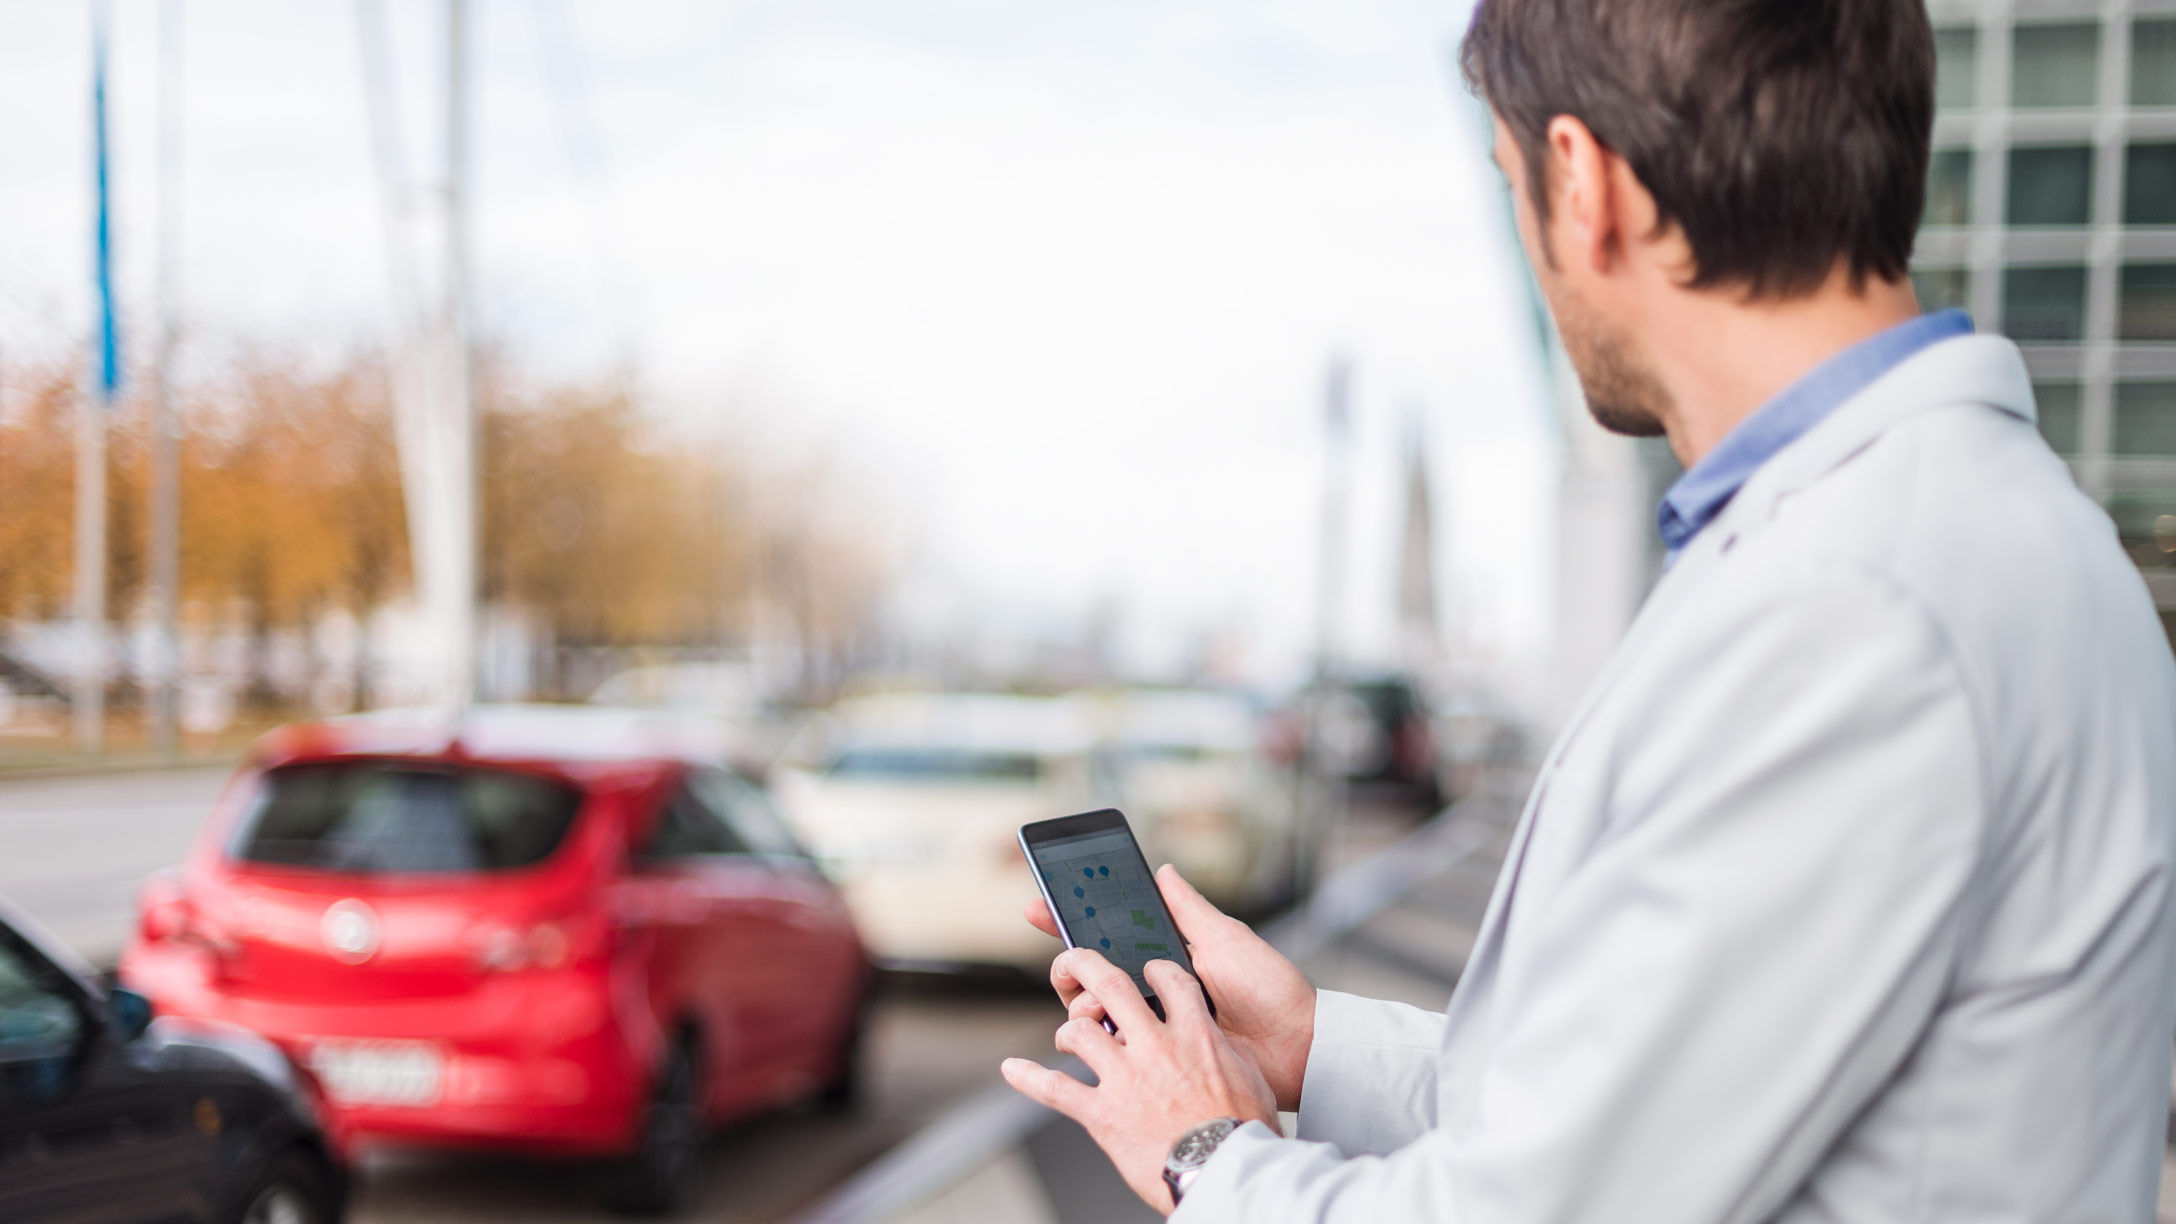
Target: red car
559	930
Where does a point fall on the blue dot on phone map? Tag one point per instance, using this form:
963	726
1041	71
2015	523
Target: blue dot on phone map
1106	943
1090	872
1077	892
1103	871
1091	911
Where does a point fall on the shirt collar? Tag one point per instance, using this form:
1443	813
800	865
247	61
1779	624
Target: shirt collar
1703	491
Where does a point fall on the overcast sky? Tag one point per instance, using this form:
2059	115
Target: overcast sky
1055	283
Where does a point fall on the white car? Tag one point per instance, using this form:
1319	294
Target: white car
714	690
727	694
1192	778
913	803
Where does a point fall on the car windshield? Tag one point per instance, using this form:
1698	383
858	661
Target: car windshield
937	764
377	817
36	1018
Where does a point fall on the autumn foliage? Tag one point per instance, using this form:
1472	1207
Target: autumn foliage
605	525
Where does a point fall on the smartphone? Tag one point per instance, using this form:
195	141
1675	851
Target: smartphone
1091	873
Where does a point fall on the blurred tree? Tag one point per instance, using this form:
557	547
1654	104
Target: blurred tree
607	526
37	489
290	501
594	523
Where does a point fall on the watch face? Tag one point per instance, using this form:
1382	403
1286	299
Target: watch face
1200	1143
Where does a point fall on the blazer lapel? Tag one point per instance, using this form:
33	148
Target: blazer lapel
1969	369
1488	941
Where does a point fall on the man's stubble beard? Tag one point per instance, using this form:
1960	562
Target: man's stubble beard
1623	395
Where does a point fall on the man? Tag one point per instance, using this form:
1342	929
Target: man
1846	894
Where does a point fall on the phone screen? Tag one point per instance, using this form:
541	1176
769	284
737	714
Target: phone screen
1102	891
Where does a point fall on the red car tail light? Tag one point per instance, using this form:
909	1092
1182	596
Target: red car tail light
1415	747
1284	737
215	938
162	909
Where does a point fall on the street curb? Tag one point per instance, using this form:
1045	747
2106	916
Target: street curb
99	769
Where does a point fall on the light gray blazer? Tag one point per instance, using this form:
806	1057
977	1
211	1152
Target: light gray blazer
1845	896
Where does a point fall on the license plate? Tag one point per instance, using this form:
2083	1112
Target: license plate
379	1072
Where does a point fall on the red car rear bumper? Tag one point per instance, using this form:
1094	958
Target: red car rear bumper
533	1061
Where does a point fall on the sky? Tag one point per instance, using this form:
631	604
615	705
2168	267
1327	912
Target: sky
1053	286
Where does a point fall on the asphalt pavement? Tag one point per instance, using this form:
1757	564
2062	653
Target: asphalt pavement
74	848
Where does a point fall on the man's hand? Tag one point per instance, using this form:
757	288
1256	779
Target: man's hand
1163	1080
1264	1003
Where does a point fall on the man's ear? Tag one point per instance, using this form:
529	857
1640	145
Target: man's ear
1589	203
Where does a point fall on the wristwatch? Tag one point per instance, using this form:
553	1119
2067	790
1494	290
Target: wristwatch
1192	1151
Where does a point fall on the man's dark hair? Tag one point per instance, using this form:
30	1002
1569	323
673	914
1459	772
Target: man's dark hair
1781	136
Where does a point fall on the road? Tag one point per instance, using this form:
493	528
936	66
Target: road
72	850
930	1048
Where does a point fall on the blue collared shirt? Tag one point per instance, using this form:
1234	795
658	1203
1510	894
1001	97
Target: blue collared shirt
1701	493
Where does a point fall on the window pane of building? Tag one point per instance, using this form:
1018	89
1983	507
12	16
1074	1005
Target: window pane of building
2059	418
2149	184
1956	68
1949	188
2051	186
1942	288
2146	523
2043	303
2146	418
2055	65
2146	302
2153	62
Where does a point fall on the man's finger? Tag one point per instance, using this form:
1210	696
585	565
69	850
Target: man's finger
1062	979
1037	913
1122	1000
1085	1006
1183	1001
1189	909
1044	1086
1087	1040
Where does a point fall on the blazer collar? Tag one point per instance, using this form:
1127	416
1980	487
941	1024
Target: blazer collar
1986	370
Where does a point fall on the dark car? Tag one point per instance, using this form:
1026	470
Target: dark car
1376	728
109	1118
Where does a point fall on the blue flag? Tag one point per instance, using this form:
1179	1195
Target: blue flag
109	339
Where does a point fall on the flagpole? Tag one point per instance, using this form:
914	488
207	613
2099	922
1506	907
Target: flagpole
94	408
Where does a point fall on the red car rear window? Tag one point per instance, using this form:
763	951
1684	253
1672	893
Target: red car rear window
388	817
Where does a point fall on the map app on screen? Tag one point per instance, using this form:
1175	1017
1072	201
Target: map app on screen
1108	901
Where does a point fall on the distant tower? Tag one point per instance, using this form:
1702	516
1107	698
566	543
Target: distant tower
1420	636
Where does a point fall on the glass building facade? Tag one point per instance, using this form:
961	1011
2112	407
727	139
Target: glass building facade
2051	216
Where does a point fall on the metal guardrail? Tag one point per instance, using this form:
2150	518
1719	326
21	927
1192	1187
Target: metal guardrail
1358	893
997	1120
